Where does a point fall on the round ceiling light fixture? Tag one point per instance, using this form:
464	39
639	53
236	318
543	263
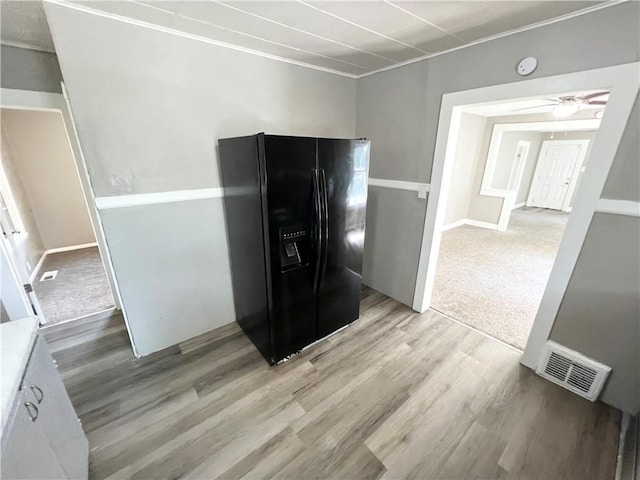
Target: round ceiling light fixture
599	114
566	108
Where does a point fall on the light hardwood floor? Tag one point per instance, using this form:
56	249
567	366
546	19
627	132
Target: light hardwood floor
395	395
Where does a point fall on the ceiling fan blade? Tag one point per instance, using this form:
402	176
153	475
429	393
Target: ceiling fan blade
535	106
597	102
594	95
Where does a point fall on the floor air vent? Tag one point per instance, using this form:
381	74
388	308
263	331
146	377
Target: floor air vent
573	371
49	275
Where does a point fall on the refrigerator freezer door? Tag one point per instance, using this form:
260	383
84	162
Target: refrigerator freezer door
344	167
239	158
289	166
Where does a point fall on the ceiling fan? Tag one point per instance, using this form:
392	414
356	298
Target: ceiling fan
570	104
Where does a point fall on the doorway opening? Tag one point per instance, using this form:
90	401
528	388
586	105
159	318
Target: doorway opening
622	83
48	231
516	168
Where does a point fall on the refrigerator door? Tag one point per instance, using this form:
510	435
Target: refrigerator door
289	164
239	160
344	168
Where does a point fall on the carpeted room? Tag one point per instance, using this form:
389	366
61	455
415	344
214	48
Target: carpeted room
516	168
493	281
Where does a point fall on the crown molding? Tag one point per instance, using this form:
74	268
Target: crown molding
178	33
140	23
584	11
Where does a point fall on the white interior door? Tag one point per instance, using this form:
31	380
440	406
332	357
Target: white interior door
556	173
15	261
15	303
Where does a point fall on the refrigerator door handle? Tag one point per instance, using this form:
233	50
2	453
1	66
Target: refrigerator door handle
325	224
317	202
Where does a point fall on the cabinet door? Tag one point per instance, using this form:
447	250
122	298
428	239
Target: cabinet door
26	452
43	386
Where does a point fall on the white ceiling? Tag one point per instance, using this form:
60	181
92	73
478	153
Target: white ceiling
536	105
352	37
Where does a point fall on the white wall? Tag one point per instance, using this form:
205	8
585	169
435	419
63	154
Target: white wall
28	242
150	107
467	159
42	157
506	155
586	135
529	166
464	199
13	302
485	208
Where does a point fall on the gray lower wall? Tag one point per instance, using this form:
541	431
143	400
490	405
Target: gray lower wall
399	111
390	215
24	69
149	108
172	266
600	312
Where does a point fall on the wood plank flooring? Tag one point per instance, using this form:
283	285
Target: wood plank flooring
395	395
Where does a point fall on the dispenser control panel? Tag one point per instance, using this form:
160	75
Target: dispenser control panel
293	233
292	241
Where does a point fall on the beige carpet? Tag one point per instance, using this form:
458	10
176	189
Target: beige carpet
494	281
79	289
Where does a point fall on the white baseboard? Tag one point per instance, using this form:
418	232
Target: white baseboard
455	224
72	247
473	223
477	223
34	272
518	205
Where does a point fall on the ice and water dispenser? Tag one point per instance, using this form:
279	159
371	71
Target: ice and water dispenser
292	248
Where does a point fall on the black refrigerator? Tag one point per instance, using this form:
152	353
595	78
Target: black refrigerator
295	212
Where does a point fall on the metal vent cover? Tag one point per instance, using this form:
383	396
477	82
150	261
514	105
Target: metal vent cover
50	275
572	370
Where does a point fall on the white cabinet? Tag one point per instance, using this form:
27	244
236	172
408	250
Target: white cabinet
26	453
44	439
